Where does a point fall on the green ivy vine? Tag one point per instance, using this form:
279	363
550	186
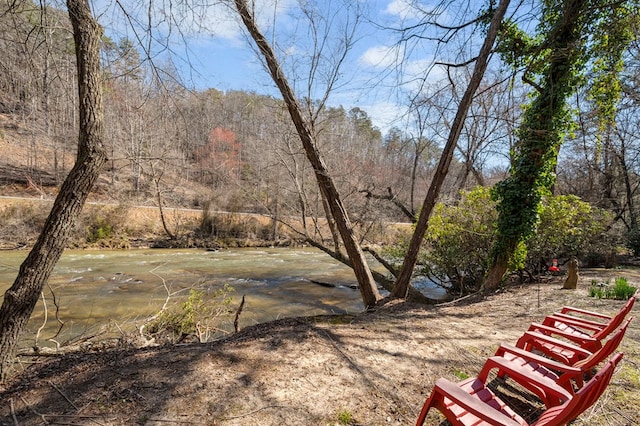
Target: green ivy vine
574	39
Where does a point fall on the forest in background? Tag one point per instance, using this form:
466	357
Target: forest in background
238	151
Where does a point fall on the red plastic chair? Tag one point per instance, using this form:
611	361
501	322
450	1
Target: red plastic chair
570	310
557	349
472	403
551	347
521	365
588	333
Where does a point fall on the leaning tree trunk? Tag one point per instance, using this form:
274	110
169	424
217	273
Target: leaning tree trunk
368	288
20	299
401	286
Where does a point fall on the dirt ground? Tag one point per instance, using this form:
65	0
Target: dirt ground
370	369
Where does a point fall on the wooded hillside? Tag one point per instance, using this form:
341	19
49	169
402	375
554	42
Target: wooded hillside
238	151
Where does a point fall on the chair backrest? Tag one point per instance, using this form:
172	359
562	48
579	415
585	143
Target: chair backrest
616	320
607	349
583	399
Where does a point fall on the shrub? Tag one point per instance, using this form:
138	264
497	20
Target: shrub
99	230
460	375
227	226
457	245
597	290
568	227
458	241
193	317
21	222
621	290
345	417
103	224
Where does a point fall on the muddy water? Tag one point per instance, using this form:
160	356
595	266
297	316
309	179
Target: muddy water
109	289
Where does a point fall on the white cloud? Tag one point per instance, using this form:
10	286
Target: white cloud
385	115
381	56
220	22
423	70
403	9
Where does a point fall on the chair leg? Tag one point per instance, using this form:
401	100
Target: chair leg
425	410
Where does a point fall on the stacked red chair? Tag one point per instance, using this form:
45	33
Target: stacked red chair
557	360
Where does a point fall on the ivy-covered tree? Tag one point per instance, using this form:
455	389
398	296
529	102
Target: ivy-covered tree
574	38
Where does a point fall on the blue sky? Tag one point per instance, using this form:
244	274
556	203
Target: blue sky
209	48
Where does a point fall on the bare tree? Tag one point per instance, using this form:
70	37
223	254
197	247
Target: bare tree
305	129
401	286
20	300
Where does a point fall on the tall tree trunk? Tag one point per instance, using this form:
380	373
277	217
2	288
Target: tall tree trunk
20	299
495	273
368	287
540	136
401	286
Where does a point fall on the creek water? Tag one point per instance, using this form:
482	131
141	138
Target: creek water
94	289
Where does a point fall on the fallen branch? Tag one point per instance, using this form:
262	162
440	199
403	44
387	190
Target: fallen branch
63	395
388	266
13	412
173	421
72	416
55	303
44	321
164	306
461	299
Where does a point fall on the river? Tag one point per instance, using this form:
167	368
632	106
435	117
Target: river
112	290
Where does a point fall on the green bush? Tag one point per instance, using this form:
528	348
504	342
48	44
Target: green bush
99	230
458	241
621	290
568	227
104	225
345	417
597	290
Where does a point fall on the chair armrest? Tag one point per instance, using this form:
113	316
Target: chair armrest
529	338
540	360
575	322
472	404
550	331
568	309
550	392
